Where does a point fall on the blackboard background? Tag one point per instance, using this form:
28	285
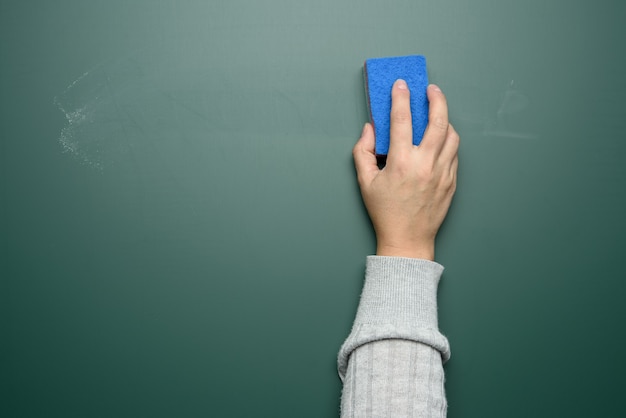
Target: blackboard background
182	234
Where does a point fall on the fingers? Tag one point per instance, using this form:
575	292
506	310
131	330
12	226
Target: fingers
450	146
437	128
401	129
440	142
454	167
364	156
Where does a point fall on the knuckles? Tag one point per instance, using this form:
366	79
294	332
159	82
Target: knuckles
440	123
401	116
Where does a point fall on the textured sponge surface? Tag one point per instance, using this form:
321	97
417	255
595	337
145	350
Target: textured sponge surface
380	74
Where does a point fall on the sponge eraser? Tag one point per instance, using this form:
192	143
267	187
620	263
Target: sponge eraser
380	74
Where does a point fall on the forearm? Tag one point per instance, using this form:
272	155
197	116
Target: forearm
391	364
394	378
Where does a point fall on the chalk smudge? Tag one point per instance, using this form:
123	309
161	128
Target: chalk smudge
509	117
124	111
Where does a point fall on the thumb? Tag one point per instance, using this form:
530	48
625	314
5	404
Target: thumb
364	156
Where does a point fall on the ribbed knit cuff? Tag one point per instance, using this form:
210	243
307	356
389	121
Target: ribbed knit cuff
399	301
401	291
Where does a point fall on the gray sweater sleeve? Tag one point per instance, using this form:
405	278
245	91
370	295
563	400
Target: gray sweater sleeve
391	364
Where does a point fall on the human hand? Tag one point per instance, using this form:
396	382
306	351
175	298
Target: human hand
409	198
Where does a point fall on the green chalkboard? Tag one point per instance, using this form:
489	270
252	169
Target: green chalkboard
182	234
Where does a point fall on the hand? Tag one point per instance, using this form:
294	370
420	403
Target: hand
409	198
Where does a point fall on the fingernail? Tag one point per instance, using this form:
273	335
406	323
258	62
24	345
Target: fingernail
402	84
435	87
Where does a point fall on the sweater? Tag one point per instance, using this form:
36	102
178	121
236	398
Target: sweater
391	364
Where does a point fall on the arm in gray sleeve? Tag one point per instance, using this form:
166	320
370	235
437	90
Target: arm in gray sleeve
391	364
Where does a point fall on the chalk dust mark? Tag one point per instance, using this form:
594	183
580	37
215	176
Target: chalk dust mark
166	109
121	112
509	119
92	130
77	117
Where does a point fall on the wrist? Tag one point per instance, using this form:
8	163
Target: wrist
424	251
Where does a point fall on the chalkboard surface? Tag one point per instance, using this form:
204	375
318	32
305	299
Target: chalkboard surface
182	234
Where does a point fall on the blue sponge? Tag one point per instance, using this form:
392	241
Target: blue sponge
380	74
